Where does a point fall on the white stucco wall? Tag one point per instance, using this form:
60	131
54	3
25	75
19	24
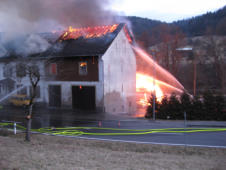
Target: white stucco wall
66	91
120	76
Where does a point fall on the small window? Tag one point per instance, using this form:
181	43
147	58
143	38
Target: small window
53	69
83	68
37	91
20	70
7	71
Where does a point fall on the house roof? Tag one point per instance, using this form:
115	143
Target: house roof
87	43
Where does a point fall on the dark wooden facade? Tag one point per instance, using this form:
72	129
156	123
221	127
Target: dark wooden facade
67	69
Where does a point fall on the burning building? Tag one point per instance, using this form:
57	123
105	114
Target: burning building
91	68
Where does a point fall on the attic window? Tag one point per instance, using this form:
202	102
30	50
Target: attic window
83	68
53	69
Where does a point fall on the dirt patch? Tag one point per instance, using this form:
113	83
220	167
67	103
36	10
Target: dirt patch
52	152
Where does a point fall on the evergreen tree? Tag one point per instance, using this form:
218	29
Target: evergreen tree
164	109
220	105
197	111
175	107
186	105
149	112
209	106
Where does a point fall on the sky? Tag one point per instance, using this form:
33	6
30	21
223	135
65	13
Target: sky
46	15
166	10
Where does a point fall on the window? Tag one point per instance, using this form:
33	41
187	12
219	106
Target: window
83	68
37	91
53	69
7	71
20	70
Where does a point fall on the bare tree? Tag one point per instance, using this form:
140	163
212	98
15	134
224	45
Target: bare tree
172	38
34	77
215	49
30	70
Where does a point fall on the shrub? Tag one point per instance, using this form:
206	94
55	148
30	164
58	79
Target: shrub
164	109
209	106
185	102
205	107
174	107
197	111
149	112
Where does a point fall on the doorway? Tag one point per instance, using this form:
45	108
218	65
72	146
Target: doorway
83	97
54	95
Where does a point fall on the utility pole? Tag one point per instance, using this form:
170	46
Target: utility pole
195	74
190	49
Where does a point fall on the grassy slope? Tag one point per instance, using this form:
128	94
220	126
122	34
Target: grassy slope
51	152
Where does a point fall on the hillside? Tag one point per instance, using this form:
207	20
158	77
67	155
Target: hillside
151	32
209	23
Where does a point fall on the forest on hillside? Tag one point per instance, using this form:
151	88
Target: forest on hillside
151	32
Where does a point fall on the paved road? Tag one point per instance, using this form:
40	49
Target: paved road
53	118
210	139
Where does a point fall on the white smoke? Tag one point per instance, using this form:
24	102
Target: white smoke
3	51
33	44
23	17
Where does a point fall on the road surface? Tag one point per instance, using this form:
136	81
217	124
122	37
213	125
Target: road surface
53	118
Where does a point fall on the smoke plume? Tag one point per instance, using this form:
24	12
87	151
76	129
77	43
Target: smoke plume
40	15
22	17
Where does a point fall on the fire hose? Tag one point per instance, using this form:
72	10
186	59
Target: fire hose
97	131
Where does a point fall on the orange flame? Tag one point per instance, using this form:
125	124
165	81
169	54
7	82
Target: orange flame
147	84
144	100
127	34
89	32
145	87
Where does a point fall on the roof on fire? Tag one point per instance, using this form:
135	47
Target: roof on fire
90	41
82	46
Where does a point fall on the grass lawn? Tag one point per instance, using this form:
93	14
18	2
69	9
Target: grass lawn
52	152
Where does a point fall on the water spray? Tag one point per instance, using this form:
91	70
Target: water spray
11	93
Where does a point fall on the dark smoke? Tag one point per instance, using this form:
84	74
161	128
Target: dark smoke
22	17
41	14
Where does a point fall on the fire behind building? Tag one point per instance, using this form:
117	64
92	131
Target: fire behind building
91	68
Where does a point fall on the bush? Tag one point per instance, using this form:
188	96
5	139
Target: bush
205	107
164	109
209	105
149	112
174	107
220	108
196	111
